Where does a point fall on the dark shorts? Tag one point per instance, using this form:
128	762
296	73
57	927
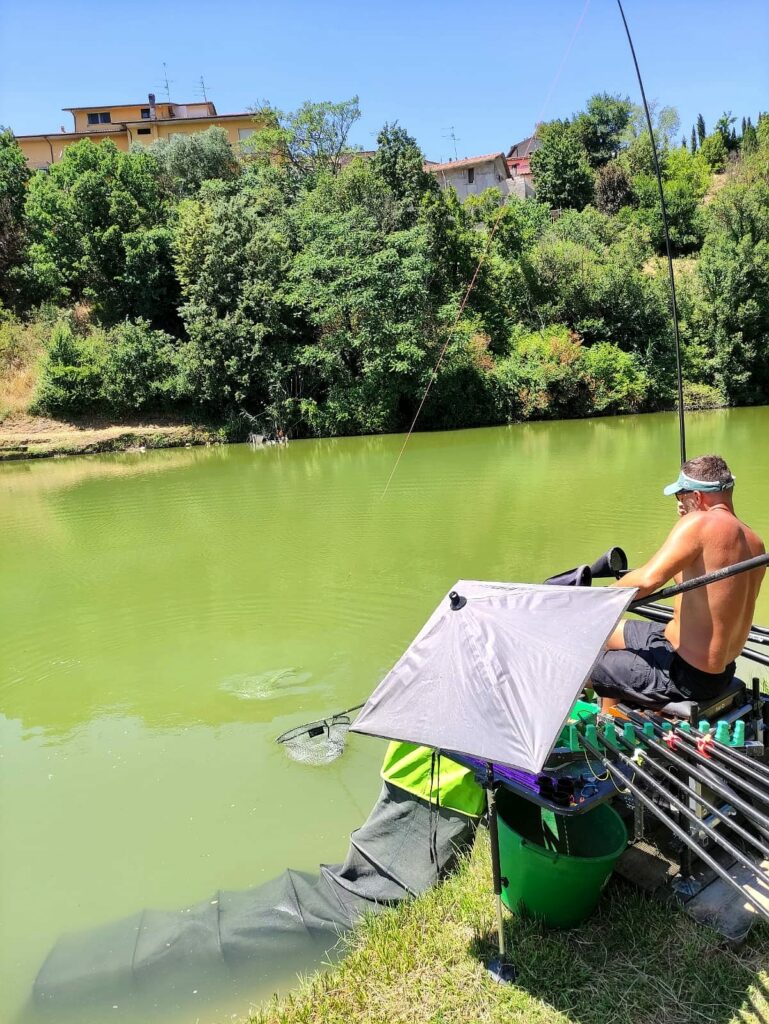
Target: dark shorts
649	673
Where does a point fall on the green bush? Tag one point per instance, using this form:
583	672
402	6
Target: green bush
702	396
141	370
616	380
71	375
129	369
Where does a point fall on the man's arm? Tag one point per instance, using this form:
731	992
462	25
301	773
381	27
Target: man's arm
679	550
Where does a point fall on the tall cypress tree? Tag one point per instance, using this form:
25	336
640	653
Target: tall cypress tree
693	143
744	125
701	133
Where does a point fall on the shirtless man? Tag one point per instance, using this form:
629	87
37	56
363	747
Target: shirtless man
692	657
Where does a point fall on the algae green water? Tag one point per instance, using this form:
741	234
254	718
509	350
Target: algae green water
166	615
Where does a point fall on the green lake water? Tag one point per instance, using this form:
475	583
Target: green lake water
166	615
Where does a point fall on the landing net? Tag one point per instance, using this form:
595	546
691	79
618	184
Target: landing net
317	742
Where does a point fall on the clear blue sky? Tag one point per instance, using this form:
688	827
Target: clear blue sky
486	69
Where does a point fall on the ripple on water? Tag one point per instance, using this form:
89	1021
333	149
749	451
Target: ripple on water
280	682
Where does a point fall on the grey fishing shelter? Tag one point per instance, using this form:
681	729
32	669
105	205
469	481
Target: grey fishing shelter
495	670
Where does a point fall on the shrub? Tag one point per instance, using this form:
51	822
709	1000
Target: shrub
141	369
616	380
703	396
71	375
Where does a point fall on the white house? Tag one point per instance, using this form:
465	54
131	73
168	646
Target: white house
473	175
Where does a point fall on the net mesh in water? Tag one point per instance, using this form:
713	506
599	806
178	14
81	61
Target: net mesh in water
317	742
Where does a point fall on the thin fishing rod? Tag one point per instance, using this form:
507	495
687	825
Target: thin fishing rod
689	814
673	826
708	777
663	207
722	816
720	761
750	771
702	581
664	613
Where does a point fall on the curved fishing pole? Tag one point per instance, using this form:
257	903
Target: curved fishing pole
673	304
481	261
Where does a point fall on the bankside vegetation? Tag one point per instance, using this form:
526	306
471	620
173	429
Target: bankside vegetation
637	961
313	288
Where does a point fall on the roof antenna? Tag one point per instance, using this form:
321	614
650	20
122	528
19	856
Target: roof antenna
454	140
203	89
167	84
681	427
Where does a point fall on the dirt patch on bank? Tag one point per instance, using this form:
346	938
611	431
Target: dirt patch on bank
34	437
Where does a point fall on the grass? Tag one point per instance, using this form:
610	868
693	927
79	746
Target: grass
21	346
636	961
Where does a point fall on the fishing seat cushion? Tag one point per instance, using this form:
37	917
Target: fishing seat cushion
732	695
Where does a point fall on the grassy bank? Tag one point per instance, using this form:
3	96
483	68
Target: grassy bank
636	961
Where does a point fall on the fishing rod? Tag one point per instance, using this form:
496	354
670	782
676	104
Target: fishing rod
668	249
691	816
756	773
663	613
672	826
723	816
701	581
707	774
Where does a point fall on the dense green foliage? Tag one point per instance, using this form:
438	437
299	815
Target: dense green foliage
316	289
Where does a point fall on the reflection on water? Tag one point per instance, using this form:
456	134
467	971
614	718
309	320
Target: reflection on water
166	615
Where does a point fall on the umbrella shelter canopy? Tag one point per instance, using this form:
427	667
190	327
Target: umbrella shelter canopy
495	672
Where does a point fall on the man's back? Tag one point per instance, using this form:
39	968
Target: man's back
711	624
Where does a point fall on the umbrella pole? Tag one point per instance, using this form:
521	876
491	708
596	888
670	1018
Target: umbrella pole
500	969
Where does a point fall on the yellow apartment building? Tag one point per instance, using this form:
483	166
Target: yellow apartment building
129	123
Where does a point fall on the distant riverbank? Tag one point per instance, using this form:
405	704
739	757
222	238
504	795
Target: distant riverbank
37	437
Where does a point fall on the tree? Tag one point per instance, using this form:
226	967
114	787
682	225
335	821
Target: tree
562	173
714	151
613	188
14	176
701	132
732	315
693	141
186	161
98	233
400	163
725	130
310	140
233	255
749	142
600	127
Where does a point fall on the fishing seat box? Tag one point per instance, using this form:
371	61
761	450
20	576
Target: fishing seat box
734	696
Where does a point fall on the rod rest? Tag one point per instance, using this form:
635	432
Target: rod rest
693	711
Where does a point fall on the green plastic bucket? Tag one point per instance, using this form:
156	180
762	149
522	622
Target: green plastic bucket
555	866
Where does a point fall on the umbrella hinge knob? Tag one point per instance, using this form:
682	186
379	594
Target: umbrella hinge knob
456	601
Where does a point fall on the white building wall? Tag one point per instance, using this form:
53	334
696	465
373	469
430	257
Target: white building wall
488	175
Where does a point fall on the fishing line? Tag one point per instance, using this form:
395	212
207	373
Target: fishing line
674	307
481	261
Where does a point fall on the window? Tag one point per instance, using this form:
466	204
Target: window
143	131
93	118
470	175
244	133
105	117
145	113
